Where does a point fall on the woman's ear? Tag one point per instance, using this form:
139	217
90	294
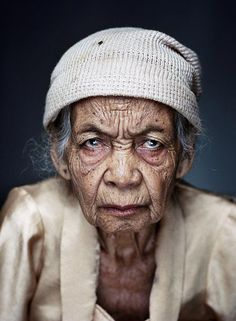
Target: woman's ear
60	164
184	166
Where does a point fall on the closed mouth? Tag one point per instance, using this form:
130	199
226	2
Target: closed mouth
122	210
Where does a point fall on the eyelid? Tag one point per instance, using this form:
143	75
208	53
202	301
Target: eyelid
81	139
101	142
89	139
143	140
157	144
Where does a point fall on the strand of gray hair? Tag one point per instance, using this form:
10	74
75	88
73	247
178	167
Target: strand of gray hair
61	133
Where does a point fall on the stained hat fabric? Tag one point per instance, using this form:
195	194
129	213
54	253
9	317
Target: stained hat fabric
131	62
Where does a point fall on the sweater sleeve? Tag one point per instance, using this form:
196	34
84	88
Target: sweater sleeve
221	287
21	251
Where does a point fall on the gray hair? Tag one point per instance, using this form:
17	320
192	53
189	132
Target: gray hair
60	132
186	133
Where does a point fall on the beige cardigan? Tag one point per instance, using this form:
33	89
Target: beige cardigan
49	258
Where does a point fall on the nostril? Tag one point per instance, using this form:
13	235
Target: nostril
110	183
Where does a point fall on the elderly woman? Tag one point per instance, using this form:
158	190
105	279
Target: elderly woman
117	235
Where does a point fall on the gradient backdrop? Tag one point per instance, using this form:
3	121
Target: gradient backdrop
36	33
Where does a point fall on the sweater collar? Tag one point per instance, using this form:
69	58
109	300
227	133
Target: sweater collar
167	290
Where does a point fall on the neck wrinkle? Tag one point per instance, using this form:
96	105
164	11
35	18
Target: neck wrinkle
128	244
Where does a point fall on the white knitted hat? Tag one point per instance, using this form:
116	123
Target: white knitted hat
130	62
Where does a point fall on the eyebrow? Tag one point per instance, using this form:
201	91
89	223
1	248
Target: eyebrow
150	128
85	128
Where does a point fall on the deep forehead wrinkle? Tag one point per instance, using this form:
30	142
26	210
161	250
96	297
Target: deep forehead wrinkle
119	103
116	117
92	128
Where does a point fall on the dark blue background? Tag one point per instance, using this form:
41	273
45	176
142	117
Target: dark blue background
36	33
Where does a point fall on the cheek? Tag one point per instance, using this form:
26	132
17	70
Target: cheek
92	157
85	178
153	157
85	182
159	180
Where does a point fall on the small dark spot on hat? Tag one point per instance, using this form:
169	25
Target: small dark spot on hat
100	43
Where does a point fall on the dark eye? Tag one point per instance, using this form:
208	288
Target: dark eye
152	144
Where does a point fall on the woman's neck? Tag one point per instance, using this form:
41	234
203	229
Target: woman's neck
128	246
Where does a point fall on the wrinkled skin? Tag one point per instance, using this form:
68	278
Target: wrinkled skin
123	152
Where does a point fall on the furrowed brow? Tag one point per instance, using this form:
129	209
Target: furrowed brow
146	130
92	128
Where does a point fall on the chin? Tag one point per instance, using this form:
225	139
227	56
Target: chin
116	225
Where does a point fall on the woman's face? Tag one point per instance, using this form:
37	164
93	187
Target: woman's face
122	161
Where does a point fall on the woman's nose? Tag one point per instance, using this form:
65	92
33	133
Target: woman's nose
122	171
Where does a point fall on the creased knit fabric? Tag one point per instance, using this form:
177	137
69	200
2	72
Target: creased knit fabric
132	62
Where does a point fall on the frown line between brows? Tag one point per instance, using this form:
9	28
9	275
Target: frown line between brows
85	128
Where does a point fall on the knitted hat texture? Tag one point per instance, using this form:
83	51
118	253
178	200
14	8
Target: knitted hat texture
132	62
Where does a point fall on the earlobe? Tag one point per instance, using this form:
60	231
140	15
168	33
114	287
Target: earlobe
60	165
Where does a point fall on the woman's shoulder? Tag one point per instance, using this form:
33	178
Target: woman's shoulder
42	202
210	225
207	216
203	205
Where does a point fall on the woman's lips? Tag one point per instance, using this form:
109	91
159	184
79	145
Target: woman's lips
122	211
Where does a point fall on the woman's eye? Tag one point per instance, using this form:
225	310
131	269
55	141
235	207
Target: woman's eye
92	143
152	144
